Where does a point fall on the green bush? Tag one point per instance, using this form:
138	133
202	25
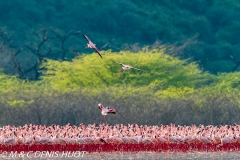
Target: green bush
167	90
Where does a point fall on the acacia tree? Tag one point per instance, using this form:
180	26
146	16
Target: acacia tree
9	54
49	44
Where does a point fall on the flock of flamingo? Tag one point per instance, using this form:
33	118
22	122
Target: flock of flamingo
131	137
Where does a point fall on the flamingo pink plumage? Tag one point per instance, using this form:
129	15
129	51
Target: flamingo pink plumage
106	110
92	45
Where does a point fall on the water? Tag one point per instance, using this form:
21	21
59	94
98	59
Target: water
165	155
154	155
221	155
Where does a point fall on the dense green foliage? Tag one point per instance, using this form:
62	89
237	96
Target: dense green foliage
189	69
91	71
167	90
206	31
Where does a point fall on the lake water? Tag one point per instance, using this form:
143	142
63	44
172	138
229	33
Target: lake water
165	155
132	156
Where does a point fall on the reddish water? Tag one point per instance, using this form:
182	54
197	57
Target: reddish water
166	147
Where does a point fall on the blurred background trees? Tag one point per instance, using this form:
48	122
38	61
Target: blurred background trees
205	31
188	51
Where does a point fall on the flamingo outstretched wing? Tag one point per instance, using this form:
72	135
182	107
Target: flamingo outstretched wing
119	63
96	49
100	106
112	110
86	37
136	69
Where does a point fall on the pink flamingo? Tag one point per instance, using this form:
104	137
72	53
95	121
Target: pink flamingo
44	140
55	139
126	67
162	139
224	140
106	110
92	45
10	141
146	140
99	140
205	139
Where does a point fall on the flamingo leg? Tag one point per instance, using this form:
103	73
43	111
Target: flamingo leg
101	119
105	119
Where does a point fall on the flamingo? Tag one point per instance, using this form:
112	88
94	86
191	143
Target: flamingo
205	139
146	140
28	140
62	141
162	139
44	140
139	138
88	140
224	140
99	140
133	140
55	139
106	110
92	45
109	139
118	140
173	139
20	139
70	140
127	67
187	139
125	139
10	141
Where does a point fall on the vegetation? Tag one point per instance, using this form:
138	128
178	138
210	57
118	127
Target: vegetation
167	90
205	31
187	51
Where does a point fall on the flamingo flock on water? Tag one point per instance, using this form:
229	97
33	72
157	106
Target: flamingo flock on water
119	134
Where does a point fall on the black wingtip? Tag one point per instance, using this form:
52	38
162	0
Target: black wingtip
85	37
100	55
116	62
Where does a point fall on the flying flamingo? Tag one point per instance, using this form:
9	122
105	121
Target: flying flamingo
127	67
106	110
92	45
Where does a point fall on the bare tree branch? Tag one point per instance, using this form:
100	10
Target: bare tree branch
63	39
